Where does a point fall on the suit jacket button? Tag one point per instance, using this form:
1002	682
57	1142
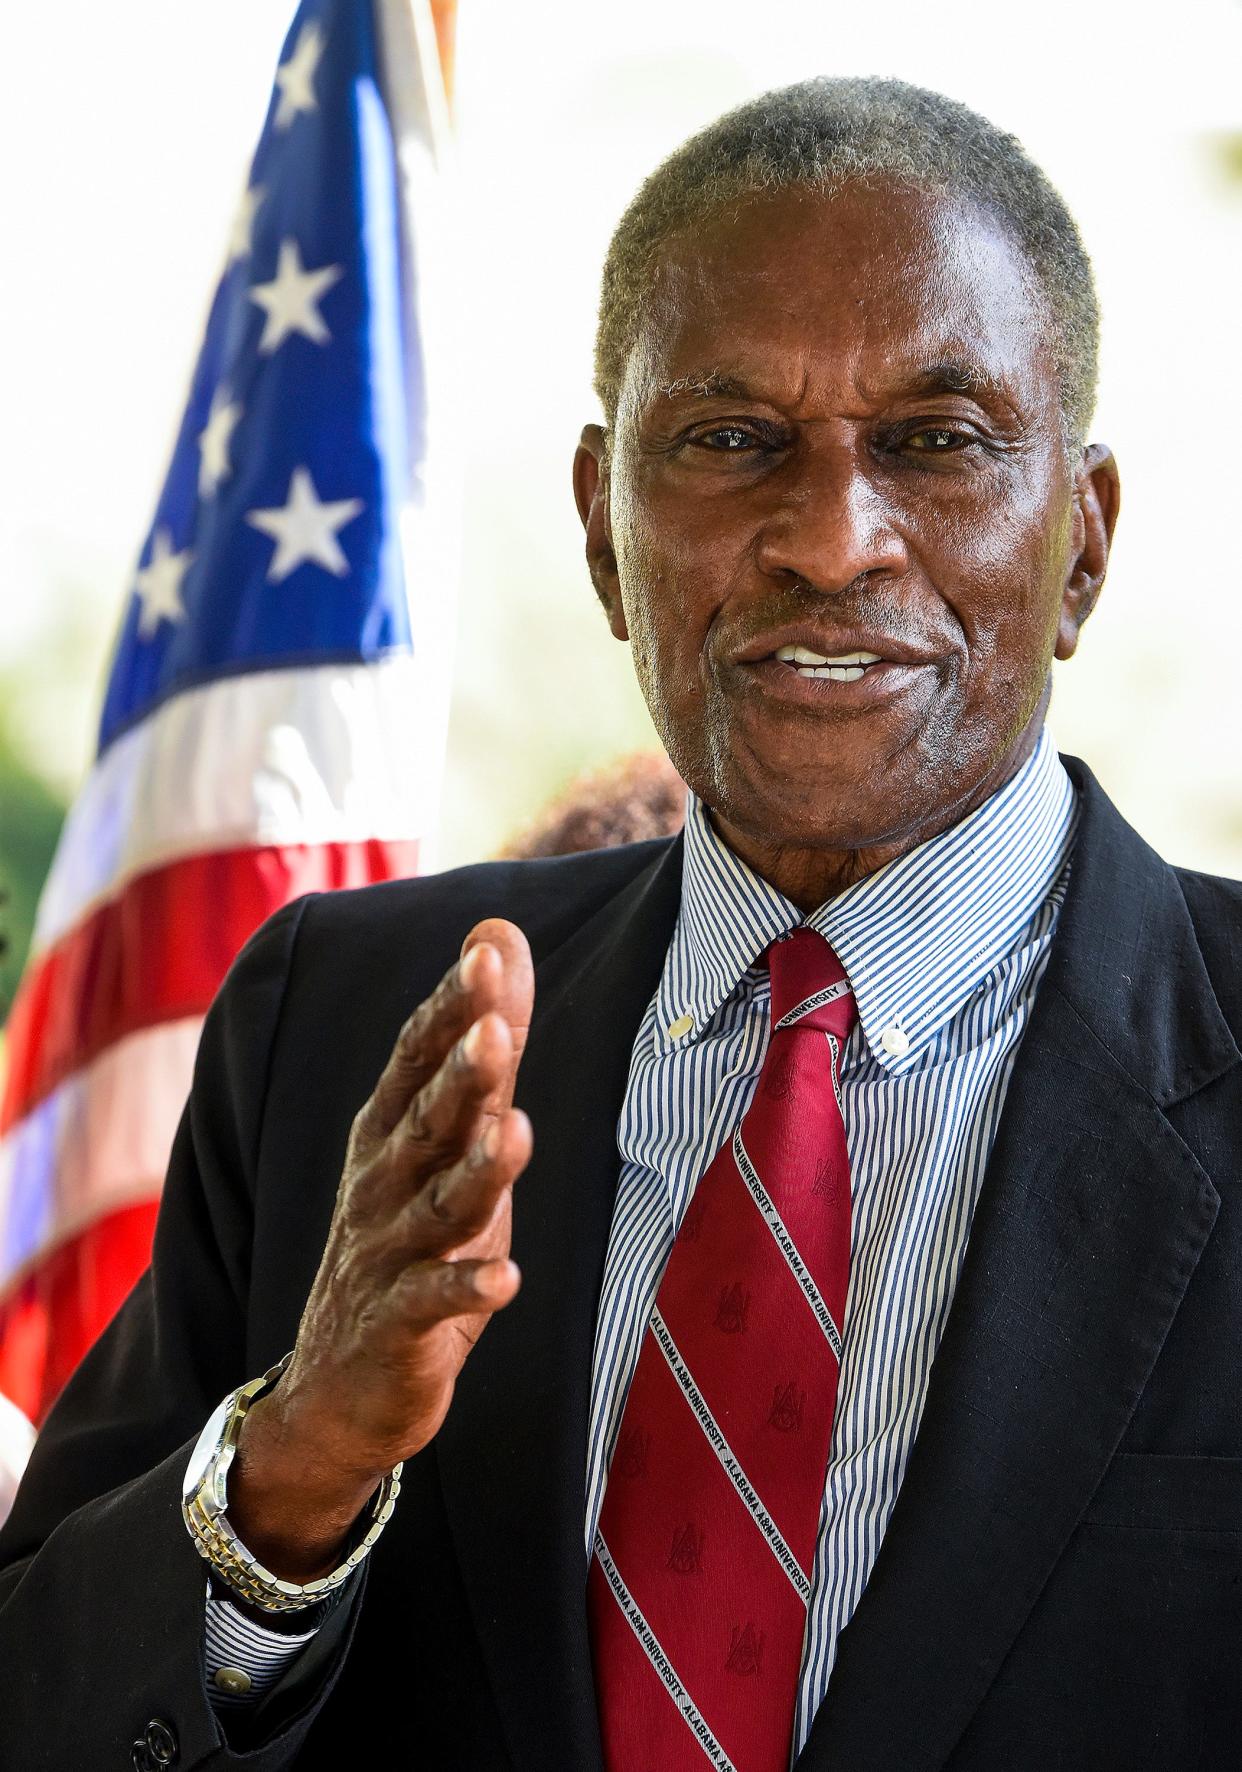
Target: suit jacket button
161	1742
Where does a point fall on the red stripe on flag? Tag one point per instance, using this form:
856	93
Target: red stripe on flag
51	1319
160	949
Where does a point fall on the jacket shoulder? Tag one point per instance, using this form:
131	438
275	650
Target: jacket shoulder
427	918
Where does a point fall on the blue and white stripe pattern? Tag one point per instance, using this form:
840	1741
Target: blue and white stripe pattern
242	1645
945	946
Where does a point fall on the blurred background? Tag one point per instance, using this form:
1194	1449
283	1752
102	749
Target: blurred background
125	134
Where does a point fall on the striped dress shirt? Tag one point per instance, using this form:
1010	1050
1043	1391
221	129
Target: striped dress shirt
944	949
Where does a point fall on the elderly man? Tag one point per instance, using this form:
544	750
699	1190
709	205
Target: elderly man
870	1398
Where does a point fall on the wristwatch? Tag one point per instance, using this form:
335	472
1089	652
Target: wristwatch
204	1499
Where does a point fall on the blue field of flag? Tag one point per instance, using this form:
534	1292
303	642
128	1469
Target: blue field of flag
275	539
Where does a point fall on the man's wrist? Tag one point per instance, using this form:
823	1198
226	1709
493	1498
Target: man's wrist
296	1513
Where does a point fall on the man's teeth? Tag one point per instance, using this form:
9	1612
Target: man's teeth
847	667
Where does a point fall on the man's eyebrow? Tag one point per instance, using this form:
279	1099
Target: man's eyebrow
706	384
955	375
948	375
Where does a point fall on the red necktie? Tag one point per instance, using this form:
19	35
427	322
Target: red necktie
706	1542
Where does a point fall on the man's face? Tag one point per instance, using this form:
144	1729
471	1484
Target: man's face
840	432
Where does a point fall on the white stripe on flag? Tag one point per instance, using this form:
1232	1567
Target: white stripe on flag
331	754
104	1136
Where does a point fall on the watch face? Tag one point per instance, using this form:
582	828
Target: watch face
206	1449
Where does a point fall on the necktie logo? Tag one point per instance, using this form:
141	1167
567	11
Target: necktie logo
632	1450
779	1081
787	1405
745	1650
827	1183
686	1556
732	1309
692	1222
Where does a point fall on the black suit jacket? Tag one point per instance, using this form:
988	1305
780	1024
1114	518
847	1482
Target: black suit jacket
1061	1582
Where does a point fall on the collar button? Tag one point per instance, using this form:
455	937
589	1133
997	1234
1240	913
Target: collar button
895	1041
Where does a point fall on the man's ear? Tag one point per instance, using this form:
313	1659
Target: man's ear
591	498
1097	499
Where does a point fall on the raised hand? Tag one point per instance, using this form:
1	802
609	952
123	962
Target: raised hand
416	1261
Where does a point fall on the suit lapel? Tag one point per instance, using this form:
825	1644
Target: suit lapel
512	1452
1092	1216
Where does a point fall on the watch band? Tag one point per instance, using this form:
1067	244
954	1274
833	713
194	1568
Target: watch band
203	1508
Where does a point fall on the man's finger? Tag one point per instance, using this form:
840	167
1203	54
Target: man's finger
466	992
515	1000
447	1113
431	1292
459	1204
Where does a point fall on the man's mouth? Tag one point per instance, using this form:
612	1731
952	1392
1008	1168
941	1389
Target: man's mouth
845	667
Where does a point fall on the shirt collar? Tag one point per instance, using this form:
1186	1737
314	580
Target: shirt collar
916	938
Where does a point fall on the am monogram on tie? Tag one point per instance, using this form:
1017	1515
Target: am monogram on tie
705	1547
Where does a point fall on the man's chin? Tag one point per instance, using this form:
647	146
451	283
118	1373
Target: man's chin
816	812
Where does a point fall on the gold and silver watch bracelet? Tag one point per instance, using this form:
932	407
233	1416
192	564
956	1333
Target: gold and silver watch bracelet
205	1498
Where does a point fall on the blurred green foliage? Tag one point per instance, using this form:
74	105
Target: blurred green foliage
31	814
1224	155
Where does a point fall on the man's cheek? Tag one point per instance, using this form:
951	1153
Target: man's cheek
645	644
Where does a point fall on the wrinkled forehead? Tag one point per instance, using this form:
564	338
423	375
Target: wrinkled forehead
844	296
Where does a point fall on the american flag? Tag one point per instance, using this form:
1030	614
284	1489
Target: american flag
274	717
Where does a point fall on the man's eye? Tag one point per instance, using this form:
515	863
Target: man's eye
727	439
936	440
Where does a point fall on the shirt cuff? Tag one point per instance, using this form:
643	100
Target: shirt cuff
244	1659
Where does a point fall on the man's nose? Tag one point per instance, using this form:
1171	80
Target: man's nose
829	524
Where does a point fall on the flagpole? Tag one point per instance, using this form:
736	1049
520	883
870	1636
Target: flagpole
415	75
444	17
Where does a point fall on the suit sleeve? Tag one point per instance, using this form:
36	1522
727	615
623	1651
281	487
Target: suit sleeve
101	1589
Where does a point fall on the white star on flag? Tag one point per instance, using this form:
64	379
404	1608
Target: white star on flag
158	584
295	78
305	529
291	299
214	441
243	222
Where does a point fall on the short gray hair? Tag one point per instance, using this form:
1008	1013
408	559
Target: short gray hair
821	134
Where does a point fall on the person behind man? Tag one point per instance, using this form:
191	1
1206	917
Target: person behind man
628	800
870	1395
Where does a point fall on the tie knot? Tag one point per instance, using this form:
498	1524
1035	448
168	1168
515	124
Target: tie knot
809	986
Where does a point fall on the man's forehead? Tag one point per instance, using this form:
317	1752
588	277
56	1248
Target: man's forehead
909	290
784	357
853	228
